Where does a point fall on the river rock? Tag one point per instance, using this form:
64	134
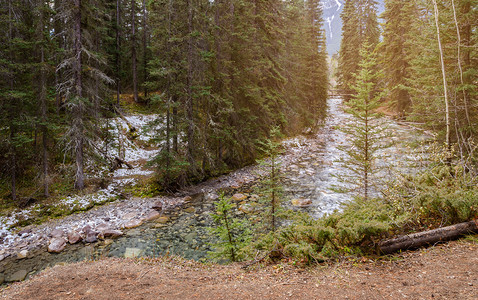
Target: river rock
17	276
247	208
22	254
108	242
153	215
187	199
57	233
112	233
24	231
254	197
129	216
74	237
91	237
56	245
132	224
190	210
2	278
132	252
301	202
238	197
190	236
162	220
86	229
211	196
102	227
158	205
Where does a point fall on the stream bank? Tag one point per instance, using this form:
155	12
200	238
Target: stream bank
309	165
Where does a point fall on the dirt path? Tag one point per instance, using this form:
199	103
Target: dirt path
448	271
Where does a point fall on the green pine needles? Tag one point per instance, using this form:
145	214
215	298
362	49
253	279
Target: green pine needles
233	233
272	187
365	129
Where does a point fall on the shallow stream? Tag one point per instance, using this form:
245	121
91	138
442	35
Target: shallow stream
183	231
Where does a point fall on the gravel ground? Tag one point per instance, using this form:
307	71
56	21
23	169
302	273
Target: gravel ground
448	271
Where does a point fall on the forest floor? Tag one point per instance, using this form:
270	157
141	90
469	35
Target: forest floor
447	271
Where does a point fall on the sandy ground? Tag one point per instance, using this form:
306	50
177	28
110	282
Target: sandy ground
448	271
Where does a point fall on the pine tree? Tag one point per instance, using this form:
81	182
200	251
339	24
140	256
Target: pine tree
427	84
233	233
395	52
80	67
365	128
360	25
271	148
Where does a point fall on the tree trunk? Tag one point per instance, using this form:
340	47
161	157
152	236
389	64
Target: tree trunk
447	108
43	109
145	49
78	109
118	51
416	240
12	129
460	67
133	51
175	125
57	29
189	100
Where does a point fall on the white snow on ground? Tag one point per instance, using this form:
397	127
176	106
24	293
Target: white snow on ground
133	154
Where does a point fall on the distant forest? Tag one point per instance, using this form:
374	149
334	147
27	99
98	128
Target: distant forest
224	73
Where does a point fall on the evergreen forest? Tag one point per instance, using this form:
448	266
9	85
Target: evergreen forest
185	92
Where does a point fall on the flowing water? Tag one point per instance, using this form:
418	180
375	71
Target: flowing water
316	175
184	231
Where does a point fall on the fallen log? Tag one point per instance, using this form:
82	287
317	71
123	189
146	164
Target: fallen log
122	116
118	163
419	239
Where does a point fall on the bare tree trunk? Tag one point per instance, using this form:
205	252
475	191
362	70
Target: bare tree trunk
133	51
458	35
78	109
12	129
174	118
145	49
447	107
43	109
96	96
175	125
367	148
273	196
13	166
57	26
189	100
118	51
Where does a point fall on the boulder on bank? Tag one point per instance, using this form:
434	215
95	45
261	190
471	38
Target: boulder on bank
301	202
102	227
132	224
238	197
57	233
22	254
91	237
152	215
74	237
112	233
57	245
17	276
158	205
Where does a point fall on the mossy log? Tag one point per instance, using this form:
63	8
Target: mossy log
416	240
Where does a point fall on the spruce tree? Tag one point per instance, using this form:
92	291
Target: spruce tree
395	52
360	25
364	129
82	68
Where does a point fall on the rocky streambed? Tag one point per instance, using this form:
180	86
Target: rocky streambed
177	225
